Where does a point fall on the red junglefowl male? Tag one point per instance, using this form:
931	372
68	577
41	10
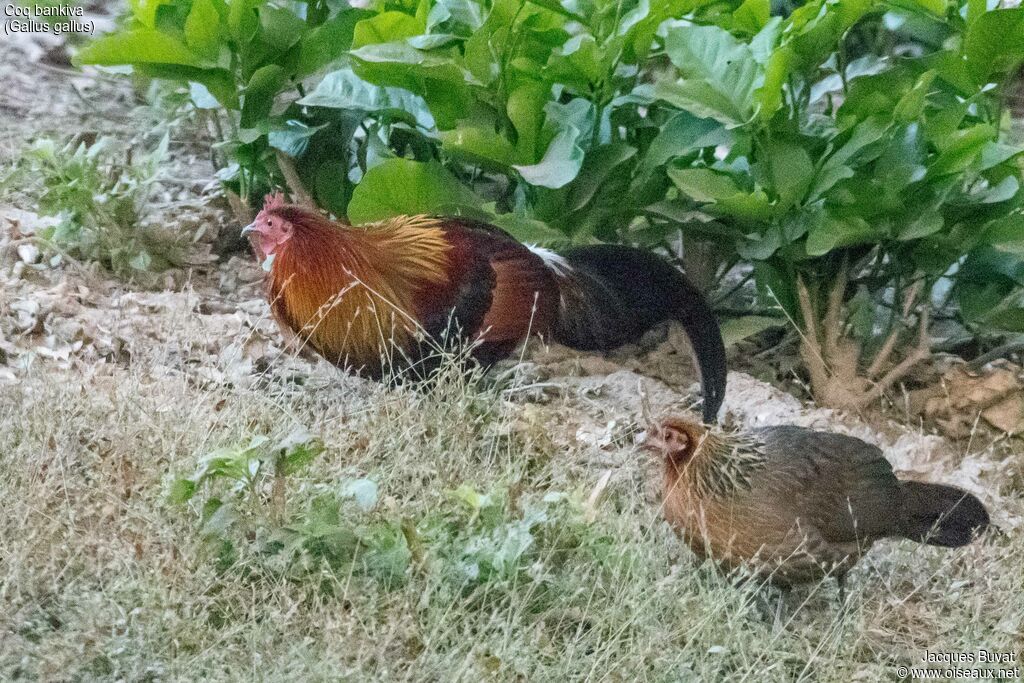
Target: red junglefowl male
795	505
383	298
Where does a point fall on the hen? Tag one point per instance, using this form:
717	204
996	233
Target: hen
794	504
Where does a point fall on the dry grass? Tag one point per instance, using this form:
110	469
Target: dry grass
102	579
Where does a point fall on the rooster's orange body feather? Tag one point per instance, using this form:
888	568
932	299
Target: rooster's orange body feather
361	296
386	296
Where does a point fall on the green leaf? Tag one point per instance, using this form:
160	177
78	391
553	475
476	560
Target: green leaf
219	82
242	20
1002	191
951	67
402	187
344	90
263	87
817	27
776	71
791	170
280	28
558	8
935	7
217	518
747	206
962	150
834	232
1010	319
763	45
703	184
1007	234
469	496
977	299
141	261
561	162
774	284
182	491
138	46
902	159
996	153
722	193
597	167
292	137
202	29
683	134
438	80
525	109
876	94
388	556
572	123
927	223
719	74
300	455
578	64
386	27
468	13
911	105
751	16
144	11
479	144
328	42
995	43
837	166
940	126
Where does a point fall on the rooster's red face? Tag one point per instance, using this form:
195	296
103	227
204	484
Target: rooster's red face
272	230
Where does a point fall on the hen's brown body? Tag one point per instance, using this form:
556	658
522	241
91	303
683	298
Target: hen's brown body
795	505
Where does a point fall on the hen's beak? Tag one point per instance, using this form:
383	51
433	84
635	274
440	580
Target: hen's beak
249	228
653	441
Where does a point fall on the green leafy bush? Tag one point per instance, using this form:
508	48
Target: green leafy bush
258	521
99	193
855	142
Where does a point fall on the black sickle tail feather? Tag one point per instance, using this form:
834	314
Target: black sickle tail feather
611	295
937	514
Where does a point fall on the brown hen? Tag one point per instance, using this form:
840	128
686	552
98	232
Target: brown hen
795	505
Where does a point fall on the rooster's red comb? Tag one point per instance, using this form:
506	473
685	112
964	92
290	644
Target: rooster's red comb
274	200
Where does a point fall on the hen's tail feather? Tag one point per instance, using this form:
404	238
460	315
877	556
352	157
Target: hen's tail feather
942	515
611	295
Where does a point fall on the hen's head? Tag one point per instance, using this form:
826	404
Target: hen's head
675	439
272	226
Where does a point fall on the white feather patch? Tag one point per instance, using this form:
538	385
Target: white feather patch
555	262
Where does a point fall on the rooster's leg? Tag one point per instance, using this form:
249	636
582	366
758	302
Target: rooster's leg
841	582
780	612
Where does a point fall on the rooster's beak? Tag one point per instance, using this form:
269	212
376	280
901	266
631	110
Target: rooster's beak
249	228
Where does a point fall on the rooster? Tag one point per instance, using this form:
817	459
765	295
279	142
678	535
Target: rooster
796	505
382	299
